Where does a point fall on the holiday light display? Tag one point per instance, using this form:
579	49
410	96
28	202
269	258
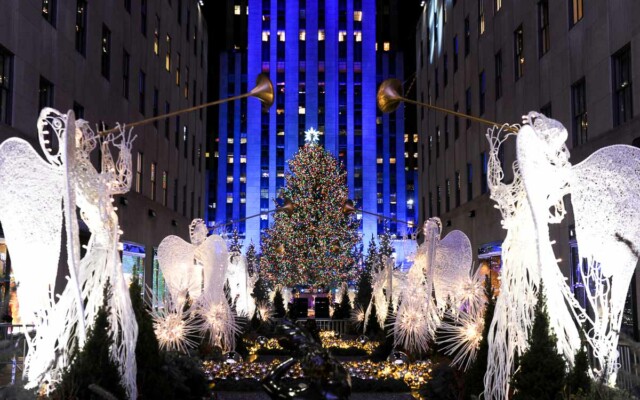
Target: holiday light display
461	336
442	267
241	285
413	374
604	202
380	296
198	269
317	239
36	195
174	327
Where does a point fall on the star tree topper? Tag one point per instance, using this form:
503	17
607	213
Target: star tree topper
311	136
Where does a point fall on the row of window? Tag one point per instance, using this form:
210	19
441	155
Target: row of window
164	186
457	188
622	98
544	41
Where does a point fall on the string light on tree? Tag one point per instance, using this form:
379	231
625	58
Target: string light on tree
313	241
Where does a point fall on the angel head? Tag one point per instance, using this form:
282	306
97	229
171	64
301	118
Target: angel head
551	131
433	227
198	231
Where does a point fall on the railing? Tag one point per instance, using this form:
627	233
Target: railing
13	346
629	372
326	324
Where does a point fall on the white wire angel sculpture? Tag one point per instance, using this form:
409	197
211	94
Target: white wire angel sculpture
38	196
604	195
438	283
198	270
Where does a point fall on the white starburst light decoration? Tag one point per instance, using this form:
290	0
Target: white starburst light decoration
311	136
460	336
264	311
218	320
174	329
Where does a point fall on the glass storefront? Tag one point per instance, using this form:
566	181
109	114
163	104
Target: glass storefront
133	262
158	286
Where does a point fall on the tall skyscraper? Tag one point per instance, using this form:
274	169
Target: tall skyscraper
325	58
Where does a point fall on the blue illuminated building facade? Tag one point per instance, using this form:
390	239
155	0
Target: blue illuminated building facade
326	59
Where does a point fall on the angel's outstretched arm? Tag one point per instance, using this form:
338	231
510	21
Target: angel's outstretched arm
122	170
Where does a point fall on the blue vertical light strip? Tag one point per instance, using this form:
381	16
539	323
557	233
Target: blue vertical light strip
312	65
221	198
401	174
237	112
369	114
350	100
273	64
331	76
386	148
254	58
291	68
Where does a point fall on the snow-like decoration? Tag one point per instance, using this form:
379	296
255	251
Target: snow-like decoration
36	195
241	285
604	197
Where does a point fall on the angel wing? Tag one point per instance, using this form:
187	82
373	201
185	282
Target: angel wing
452	265
241	285
214	256
177	263
31	208
605	193
31	216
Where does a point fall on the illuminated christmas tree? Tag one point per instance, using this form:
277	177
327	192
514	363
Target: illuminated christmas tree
314	243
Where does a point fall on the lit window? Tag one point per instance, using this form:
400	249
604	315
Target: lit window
498	5
415	138
265	36
229	199
376	46
303	35
230	160
577	11
357	16
392	160
237	10
229	179
341	36
281	133
386	46
358	35
243	178
321	35
379	160
281	36
167	59
243	200
230	140
302	110
247	10
243	140
243	159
